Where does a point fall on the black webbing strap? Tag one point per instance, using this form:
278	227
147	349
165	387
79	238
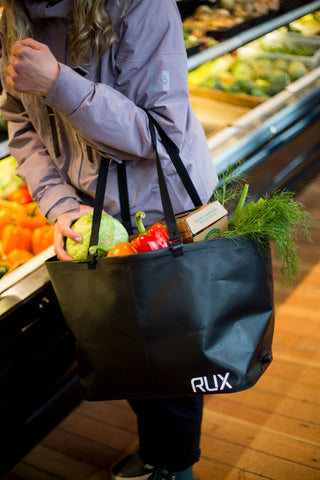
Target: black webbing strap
175	241
174	237
124	197
178	164
98	206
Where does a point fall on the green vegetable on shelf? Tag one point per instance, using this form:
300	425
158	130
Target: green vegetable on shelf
242	69
280	64
241	86
296	69
277	82
3	269
9	181
256	75
289	49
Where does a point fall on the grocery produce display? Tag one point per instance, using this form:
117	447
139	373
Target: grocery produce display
307	25
262	68
288	45
228	17
24	232
289	49
195	41
9	181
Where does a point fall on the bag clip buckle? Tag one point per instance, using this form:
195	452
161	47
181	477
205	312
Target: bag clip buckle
92	257
176	246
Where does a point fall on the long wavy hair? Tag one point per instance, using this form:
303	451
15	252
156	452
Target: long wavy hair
92	28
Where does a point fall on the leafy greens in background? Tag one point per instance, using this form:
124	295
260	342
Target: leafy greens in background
9	181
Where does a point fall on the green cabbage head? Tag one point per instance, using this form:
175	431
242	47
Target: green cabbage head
111	232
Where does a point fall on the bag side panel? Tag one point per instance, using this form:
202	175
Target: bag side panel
206	315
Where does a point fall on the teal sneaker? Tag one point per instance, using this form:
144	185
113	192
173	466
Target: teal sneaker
133	467
165	475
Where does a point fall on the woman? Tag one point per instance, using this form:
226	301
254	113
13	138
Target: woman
77	78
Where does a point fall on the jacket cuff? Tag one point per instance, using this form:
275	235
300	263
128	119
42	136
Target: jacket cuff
58	200
68	205
69	91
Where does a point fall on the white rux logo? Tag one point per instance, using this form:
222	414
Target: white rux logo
208	384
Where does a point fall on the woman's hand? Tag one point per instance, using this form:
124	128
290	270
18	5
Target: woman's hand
32	68
62	230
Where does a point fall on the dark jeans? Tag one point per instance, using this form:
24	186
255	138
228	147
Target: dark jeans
169	431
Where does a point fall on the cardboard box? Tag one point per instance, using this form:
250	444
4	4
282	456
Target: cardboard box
202	223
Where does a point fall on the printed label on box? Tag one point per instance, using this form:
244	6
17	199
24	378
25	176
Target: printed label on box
212	231
205	217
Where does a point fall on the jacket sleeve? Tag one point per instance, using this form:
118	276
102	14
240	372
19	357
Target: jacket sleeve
151	65
34	165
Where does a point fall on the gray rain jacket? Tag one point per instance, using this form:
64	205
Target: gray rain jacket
101	105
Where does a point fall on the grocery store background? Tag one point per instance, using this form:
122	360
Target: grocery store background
254	76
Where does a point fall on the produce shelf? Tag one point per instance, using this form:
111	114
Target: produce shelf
251	34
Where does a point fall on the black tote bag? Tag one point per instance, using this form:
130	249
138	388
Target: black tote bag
190	319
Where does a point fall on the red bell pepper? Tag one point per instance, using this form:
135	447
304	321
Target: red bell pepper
156	237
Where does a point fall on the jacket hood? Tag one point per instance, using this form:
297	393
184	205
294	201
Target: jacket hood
40	10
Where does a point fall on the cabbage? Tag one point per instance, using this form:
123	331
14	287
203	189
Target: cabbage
111	232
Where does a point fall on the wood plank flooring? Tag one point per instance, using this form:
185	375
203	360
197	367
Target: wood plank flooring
269	432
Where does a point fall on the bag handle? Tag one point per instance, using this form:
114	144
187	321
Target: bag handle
124	196
98	206
175	241
178	164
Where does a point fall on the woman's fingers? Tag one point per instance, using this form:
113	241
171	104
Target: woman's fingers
63	230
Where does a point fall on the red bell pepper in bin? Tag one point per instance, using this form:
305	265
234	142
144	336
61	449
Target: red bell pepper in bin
155	238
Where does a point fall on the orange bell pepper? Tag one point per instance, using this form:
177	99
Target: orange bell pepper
18	256
14	236
122	248
6	217
30	208
21	196
30	218
42	238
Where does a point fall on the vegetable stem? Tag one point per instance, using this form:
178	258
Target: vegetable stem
139	216
95	249
242	199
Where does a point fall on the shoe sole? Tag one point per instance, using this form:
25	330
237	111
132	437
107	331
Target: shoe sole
140	477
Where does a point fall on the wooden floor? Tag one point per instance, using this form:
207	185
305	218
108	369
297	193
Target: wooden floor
268	432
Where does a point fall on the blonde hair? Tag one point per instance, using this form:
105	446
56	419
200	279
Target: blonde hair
93	31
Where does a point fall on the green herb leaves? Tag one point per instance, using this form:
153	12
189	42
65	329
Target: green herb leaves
274	220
